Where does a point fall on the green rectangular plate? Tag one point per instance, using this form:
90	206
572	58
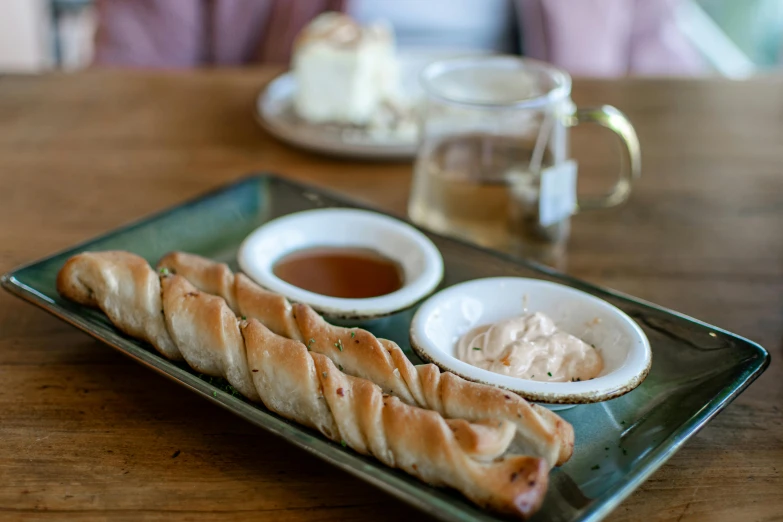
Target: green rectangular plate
697	369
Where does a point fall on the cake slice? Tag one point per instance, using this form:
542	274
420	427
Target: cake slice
344	71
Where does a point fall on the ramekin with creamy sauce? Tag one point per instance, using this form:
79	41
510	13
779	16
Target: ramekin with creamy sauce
514	332
530	346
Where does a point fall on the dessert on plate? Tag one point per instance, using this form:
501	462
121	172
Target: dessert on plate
348	74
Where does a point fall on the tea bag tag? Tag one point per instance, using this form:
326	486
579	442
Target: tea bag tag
557	197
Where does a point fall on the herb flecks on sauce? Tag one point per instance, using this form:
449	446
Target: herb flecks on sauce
529	346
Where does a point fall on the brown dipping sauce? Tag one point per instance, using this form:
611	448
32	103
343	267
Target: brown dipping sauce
340	272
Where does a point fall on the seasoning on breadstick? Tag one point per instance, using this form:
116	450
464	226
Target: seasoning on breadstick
305	386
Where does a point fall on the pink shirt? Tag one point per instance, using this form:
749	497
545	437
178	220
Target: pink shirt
585	37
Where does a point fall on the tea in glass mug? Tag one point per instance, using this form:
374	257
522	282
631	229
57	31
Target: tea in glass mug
493	165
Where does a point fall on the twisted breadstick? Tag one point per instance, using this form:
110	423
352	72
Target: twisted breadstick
304	386
540	432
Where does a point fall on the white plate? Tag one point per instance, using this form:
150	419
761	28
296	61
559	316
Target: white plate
449	314
419	258
274	112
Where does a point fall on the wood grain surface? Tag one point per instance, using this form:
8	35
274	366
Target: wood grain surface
87	435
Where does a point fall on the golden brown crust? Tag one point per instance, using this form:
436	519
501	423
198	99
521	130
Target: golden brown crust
483	440
275	307
111	281
306	386
204	274
540	431
239	292
357	412
205	331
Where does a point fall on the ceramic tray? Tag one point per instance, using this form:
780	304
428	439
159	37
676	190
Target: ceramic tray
697	369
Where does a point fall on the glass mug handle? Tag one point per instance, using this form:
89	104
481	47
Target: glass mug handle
614	120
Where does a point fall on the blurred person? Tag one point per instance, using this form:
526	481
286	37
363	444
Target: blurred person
585	37
608	37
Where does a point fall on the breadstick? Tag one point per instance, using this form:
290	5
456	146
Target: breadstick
305	386
540	431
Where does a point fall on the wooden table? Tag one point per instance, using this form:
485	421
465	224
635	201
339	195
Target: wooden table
87	434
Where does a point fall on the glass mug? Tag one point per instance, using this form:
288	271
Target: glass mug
493	165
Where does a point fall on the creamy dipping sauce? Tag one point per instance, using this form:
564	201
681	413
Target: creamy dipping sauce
530	347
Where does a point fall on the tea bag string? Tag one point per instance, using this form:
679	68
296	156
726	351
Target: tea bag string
537	158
